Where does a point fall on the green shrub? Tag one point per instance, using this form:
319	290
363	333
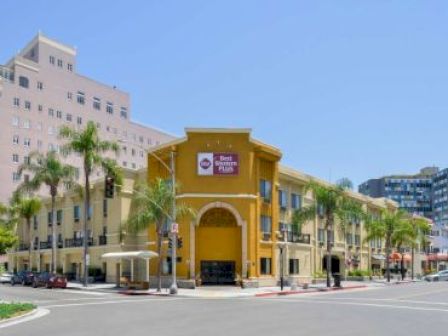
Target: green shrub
8	310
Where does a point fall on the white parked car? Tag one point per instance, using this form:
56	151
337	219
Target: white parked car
439	276
5	277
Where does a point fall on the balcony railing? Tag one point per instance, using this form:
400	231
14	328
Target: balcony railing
23	247
77	242
298	238
102	240
45	245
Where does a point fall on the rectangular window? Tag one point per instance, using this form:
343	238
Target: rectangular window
59	217
70	67
296	201
265	190
24	82
96	103
69	95
331	236
109	108
265	227
59	114
321	235
76	213
60	63
282	199
349	239
79	120
27	105
52	59
35	223
15	121
124	112
15	140
26	160
50	112
357	240
293	266
16	177
265	266
105	207
50	218
68	117
39	108
15	158
40	86
16	102
26	123
81	98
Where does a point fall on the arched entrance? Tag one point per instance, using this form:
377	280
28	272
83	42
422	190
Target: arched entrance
335	264
218	248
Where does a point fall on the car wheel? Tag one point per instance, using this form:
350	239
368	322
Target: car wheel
34	284
436	279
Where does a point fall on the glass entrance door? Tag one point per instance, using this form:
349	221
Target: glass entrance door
218	272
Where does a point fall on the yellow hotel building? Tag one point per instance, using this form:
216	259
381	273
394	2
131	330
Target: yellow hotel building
243	197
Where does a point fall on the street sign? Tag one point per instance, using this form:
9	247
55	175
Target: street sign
174	228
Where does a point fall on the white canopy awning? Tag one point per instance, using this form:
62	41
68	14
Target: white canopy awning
130	255
378	257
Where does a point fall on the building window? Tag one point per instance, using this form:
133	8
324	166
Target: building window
70	67
105	207
69	95
59	217
39	144
80	98
52	59
266	190
27	105
26	160
133	152
124	112
349	239
265	266
296	201
15	121
265	227
321	235
59	114
293	266
357	240
24	82
125	164
27	142
16	102
50	130
50	112
35	223
79	120
39	108
15	158
96	103
15	177
68	117
60	63
40	86
76	213
26	123
50	218
15	140
282	199
109	108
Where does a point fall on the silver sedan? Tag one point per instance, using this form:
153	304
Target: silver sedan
5	277
439	276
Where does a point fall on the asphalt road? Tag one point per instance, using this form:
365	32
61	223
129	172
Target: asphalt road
411	309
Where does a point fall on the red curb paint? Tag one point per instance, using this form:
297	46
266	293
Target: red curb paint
307	291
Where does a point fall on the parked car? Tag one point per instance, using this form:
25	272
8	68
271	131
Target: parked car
24	278
439	276
5	277
49	280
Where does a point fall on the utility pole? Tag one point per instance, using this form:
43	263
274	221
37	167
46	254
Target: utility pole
174	228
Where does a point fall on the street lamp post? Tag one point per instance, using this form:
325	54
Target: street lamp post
282	246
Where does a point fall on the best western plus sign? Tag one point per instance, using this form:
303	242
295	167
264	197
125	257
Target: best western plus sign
218	164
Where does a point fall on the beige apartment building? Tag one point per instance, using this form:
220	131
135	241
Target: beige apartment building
40	90
106	233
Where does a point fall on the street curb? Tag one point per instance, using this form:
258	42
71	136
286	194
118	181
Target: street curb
308	291
35	313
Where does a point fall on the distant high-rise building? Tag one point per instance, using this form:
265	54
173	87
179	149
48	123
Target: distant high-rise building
413	193
40	90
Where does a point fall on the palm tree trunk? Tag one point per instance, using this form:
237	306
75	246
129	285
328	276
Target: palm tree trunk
159	252
28	224
388	260
329	226
53	230
412	265
402	266
86	216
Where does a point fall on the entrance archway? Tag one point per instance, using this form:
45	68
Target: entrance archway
335	264
218	247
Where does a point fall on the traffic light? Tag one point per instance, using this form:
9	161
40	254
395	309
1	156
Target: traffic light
170	242
179	242
109	187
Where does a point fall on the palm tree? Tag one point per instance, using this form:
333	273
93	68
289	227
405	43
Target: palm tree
385	227
153	206
8	238
420	231
27	208
92	149
334	206
401	238
50	171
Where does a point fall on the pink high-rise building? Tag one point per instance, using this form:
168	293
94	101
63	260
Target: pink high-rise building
40	90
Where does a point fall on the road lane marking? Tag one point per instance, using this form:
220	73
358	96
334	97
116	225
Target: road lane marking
107	302
394	300
374	305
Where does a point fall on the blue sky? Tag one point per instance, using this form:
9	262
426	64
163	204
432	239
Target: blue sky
344	88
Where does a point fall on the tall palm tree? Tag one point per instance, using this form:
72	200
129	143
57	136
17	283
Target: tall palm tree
333	205
92	150
420	232
27	208
385	227
153	205
401	238
50	171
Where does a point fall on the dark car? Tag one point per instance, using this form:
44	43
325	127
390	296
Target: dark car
49	280
24	278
